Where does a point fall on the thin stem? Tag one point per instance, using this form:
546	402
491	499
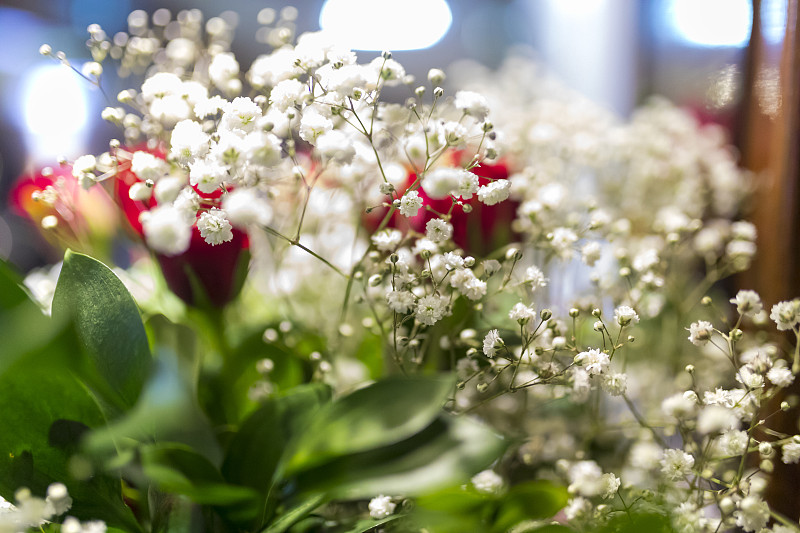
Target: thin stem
295	242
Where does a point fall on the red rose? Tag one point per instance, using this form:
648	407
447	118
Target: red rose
217	270
479	232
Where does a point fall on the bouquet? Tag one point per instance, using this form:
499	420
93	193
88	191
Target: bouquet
336	312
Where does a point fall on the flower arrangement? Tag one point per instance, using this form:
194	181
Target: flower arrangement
346	314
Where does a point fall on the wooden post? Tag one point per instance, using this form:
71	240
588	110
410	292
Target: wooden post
770	145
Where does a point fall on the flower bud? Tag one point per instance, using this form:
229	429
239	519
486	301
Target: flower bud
766	450
574	312
596	312
438	92
436	76
545	314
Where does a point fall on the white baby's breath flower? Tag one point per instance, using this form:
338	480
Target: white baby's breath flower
700	332
58	499
591	252
206	174
491	342
287	93
160	85
431	309
188	141
494	192
609	485
535	277
790	452
84	164
313	124
676	464
336	145
245	207
381	507
594	361
390	70
752	513
442	182
166	230
487	481
733	442
209	106
240	114
400	301
747	302
780	376
140	192
522	313
625	315
714	418
453	261
214	227
615	384
562	241
387	240
410	204
222	69
679	405
146	166
785	314
437	230
472	103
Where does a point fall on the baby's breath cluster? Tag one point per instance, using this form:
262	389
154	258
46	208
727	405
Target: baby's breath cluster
629	199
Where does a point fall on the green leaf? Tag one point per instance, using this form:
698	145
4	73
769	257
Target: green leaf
636	522
179	469
462	509
533	500
45	413
11	292
453	510
362	526
223	393
23	327
257	447
449	451
382	414
108	326
295	514
166	412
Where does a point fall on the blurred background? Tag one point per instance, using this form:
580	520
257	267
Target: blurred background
722	58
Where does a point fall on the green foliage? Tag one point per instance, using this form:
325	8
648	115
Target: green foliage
46	411
83	389
635	522
456	510
108	326
370	418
